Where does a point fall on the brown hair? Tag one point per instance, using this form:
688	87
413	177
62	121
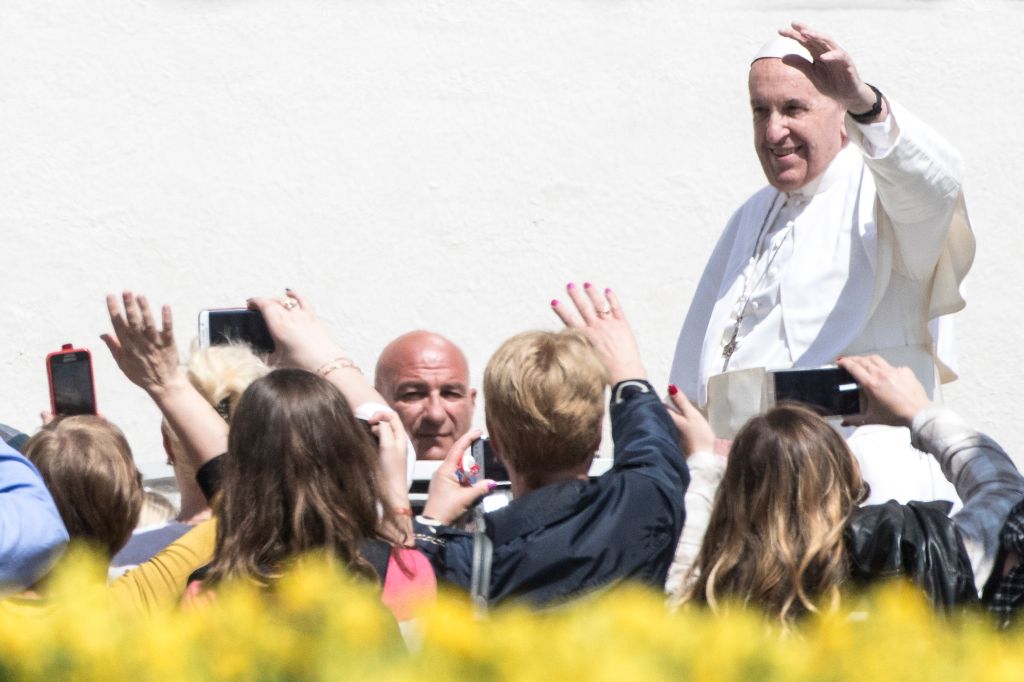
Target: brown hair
301	474
775	536
88	469
544	401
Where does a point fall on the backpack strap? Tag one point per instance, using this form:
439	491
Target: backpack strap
378	553
483	552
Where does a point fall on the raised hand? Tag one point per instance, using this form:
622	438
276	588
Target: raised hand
301	339
601	319
146	354
695	434
833	71
392	444
893	394
447	499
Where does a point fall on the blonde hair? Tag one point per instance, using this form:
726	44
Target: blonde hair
88	468
775	536
221	374
156	509
544	401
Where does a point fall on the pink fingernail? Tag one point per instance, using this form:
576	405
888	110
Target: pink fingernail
607	291
570	285
586	285
491	485
554	302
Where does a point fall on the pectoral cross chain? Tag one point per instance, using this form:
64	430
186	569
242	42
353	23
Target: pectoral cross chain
730	348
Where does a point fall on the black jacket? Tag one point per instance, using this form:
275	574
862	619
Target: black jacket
918	541
576	536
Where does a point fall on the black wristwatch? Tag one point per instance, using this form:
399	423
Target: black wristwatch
869	116
624	390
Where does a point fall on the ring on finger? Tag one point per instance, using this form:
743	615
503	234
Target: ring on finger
289	304
605	310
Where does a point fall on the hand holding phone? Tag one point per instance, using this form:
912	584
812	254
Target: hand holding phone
490	466
72	390
893	395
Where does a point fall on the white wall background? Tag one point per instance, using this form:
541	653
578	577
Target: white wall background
447	164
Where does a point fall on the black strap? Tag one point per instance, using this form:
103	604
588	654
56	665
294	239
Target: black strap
871	114
378	553
210	477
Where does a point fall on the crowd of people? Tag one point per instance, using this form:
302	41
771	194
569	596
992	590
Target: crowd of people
297	454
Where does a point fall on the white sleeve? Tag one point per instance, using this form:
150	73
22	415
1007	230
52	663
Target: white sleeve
876	140
706	470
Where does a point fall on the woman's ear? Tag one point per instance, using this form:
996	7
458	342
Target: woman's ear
167	444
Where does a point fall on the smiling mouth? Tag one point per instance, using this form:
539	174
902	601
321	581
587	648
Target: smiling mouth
779	153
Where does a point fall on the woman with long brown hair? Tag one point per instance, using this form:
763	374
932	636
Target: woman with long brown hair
785	532
300	476
778	535
301	473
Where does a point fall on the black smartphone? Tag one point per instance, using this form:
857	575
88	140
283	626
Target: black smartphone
831	391
235	325
72	390
490	466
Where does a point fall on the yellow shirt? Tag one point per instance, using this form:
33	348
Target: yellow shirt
152	585
161	581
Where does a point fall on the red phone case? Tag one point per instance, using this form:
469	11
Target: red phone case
64	350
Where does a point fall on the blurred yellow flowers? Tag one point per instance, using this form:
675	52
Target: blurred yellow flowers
319	624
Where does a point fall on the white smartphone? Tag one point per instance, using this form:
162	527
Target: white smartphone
219	326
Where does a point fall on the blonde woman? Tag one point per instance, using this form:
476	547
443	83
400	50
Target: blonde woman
564	535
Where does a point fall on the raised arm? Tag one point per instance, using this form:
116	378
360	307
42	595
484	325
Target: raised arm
148	356
917	174
984	476
697	441
833	72
303	341
32	534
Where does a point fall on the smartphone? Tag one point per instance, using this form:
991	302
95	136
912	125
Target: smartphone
220	326
72	389
490	466
831	391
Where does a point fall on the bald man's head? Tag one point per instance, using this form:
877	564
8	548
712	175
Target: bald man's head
425	378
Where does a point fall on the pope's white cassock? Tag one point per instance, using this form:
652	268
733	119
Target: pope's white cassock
867	258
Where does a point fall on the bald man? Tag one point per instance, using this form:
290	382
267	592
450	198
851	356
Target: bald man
425	378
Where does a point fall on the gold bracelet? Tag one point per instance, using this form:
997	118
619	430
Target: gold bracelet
337	363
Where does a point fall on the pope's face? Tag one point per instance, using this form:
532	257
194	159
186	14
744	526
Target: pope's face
797	130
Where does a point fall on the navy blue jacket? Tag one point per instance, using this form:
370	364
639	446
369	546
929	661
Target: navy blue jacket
572	537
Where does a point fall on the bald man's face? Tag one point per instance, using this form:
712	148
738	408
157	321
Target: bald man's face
428	388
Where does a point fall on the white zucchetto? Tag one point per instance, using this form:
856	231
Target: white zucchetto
779	47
